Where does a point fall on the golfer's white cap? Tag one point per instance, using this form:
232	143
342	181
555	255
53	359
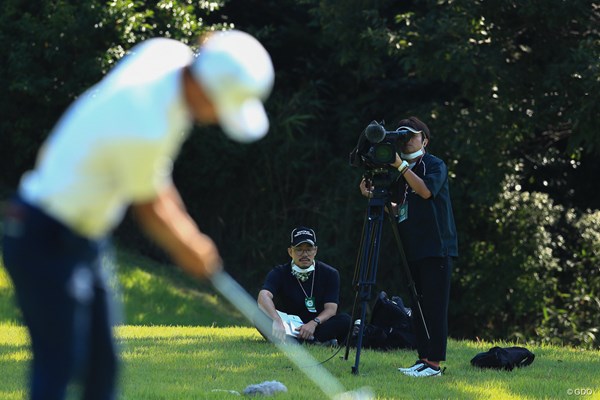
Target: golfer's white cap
236	73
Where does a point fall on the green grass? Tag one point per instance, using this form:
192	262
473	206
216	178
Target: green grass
181	341
151	294
155	294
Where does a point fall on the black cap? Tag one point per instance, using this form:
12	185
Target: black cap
303	235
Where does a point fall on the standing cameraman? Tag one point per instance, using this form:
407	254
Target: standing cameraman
423	210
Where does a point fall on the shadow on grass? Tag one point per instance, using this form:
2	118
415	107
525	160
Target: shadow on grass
9	312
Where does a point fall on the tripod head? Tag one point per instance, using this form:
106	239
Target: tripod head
380	179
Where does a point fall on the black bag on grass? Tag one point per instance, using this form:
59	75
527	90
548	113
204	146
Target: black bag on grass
391	313
505	358
390	327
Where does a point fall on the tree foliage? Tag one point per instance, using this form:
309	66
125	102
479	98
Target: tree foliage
52	50
509	89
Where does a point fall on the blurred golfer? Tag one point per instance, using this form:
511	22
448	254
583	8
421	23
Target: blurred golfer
114	148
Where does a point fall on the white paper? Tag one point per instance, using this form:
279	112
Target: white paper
290	322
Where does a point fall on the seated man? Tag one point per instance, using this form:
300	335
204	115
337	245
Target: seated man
306	288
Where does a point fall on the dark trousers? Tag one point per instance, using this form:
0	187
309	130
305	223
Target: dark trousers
432	281
65	303
336	327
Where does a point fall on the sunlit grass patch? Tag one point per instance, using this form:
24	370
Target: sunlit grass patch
181	362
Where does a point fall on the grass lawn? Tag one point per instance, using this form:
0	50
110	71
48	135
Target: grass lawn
180	341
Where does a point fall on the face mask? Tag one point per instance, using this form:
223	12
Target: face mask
300	273
412	156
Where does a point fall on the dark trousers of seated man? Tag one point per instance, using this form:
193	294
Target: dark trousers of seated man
336	327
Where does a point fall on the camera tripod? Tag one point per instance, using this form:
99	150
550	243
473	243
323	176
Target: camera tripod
365	271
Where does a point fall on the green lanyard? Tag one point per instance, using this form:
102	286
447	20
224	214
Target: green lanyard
309	301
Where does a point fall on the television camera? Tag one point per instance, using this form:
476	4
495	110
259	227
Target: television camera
377	147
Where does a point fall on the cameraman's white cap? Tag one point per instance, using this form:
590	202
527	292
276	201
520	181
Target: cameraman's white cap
237	75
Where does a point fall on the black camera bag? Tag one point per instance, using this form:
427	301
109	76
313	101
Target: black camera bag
503	358
390	327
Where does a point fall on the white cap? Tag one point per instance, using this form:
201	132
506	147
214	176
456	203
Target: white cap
237	75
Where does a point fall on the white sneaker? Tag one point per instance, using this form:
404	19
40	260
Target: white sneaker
416	365
424	370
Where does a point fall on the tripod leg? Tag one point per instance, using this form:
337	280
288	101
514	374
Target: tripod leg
361	331
356	280
350	328
369	259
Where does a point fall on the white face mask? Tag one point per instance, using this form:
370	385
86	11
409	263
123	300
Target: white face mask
412	156
302	273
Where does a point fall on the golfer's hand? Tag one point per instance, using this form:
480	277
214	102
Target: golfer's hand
166	220
211	260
